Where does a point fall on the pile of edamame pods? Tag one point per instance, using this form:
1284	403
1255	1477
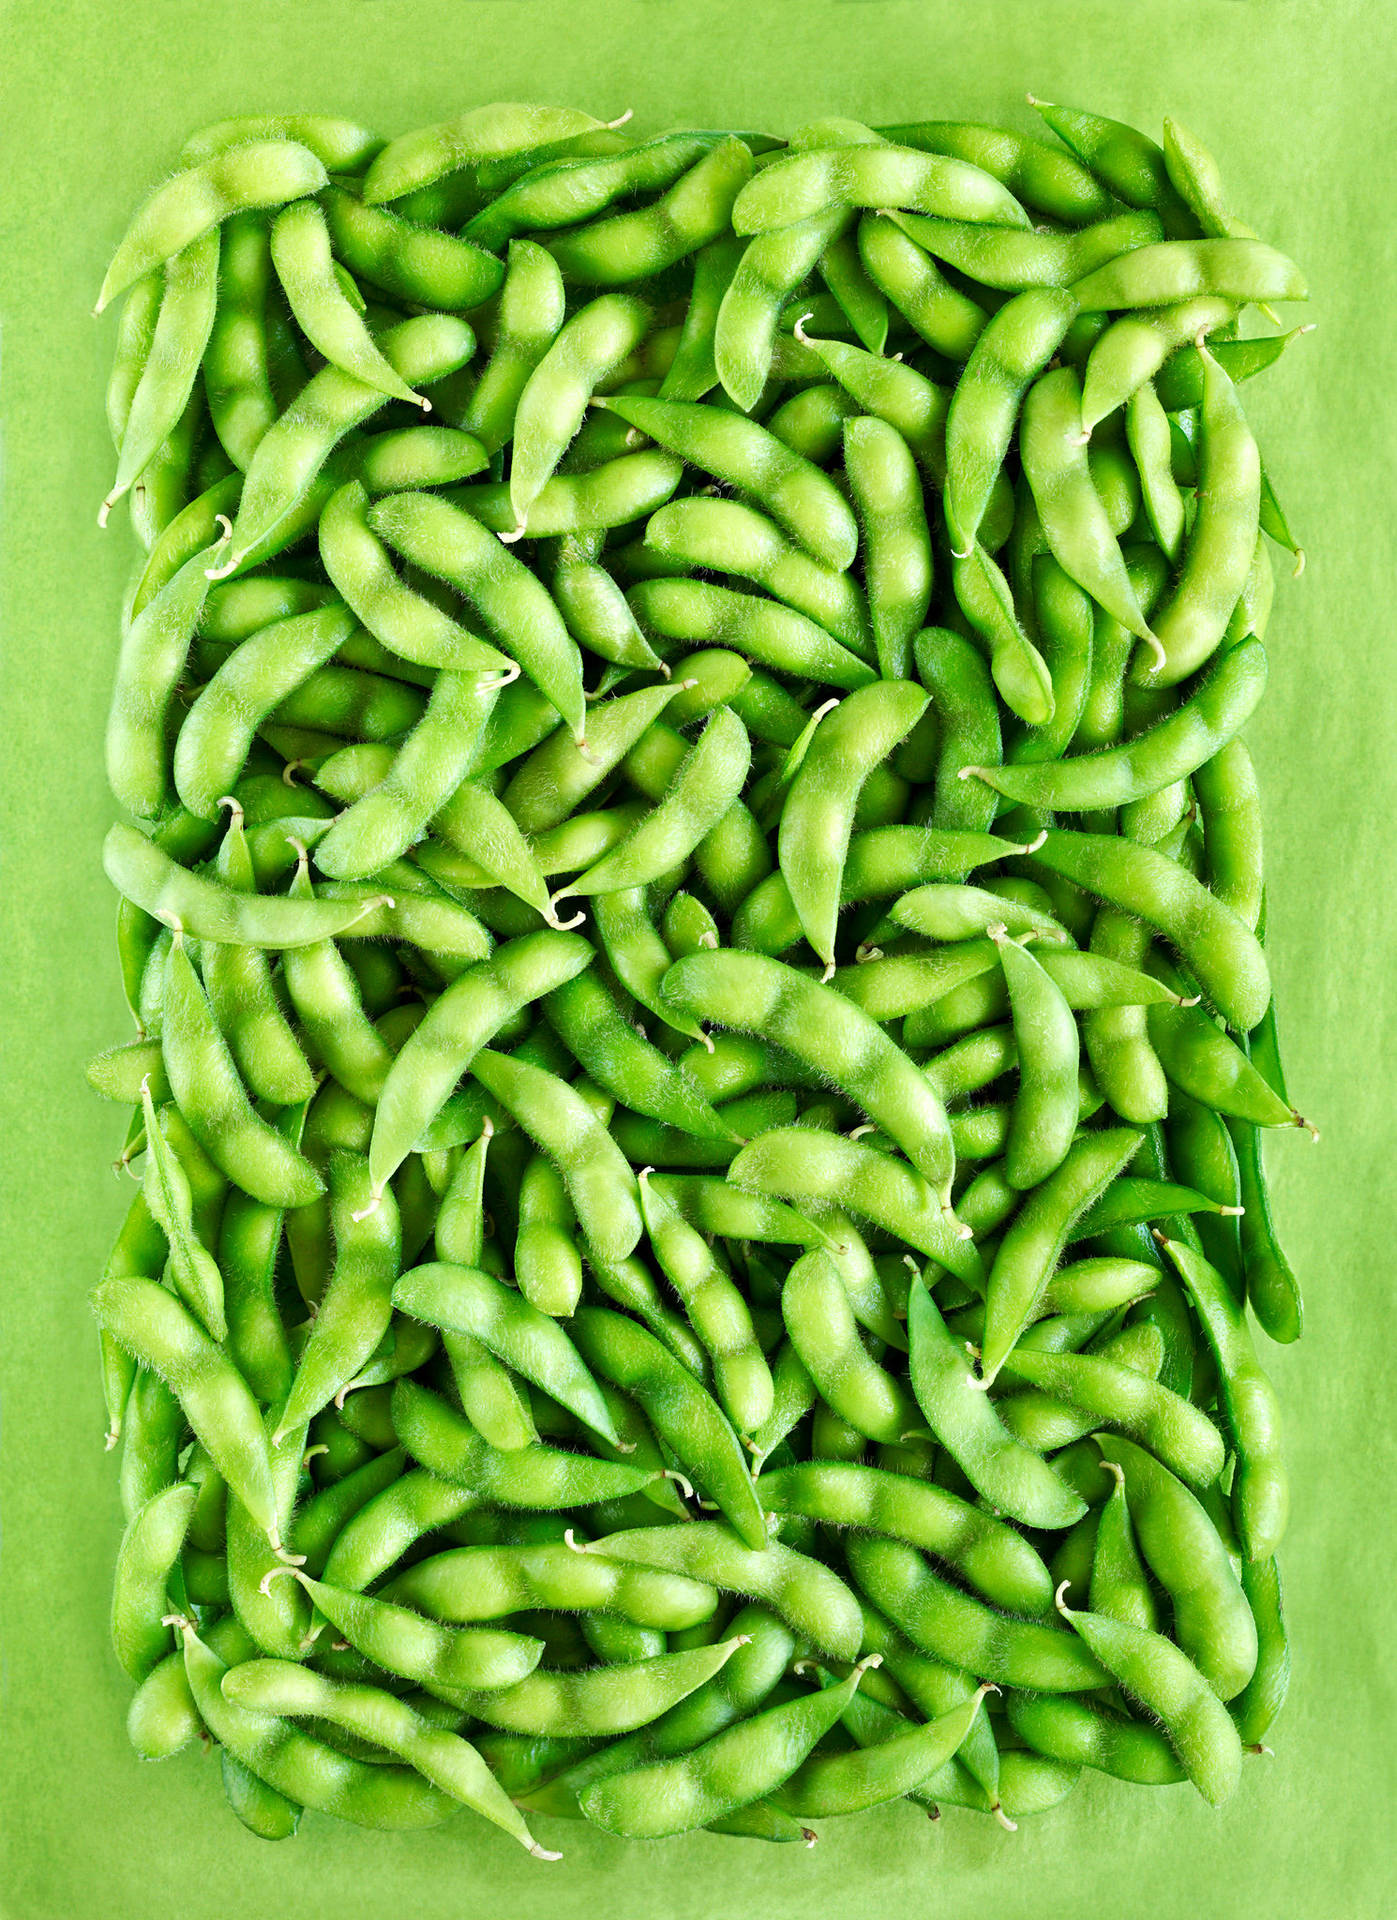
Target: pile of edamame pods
691	898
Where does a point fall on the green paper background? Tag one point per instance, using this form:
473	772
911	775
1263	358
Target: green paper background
1297	99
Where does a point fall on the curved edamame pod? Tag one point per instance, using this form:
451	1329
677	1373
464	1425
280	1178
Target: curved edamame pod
1031	1247
277	1690
262	173
804	1163
401	620
1182	1548
517	609
1190	624
1260	1494
943	1621
1172	270
300	245
213	1100
1219	949
1011	1477
465	1300
1164	1681
729	537
680	1410
821	1327
599	1180
698	1788
821	1028
600	1701
291	454
818	813
537	1477
801	499
811	1599
1171	750
800	185
981	1548
457	1025
165	1337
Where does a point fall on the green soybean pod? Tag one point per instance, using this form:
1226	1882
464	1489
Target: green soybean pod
693	371
820	1027
213	1100
679	1408
237	380
1126	161
465	1300
1257	1705
1032	1246
282	479
1176	1432
593	1026
715	1308
1173	749
797	495
772	266
705	786
952	1626
650	239
983	1549
871	1776
736	1767
947	319
1044	1114
600	1182
818	813
805	1593
1074	1731
1167	1684
547	1264
1166	272
149	1550
1074	519
168	1201
135	330
356	1310
1011	1477
504	138
1218	948
729	536
530	313
307	1771
555	397
515	606
1039	175
300	245
896	542
416	264
821	1327
805	1163
1218	551
1008	356
535	1478
1183	1549
404	622
799	185
154	652
261	1809
962	696
1260	1494
162	1334
260	673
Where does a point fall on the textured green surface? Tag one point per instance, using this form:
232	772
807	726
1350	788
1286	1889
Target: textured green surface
1296	99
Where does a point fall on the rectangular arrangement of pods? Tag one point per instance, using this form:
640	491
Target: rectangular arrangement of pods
691	898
